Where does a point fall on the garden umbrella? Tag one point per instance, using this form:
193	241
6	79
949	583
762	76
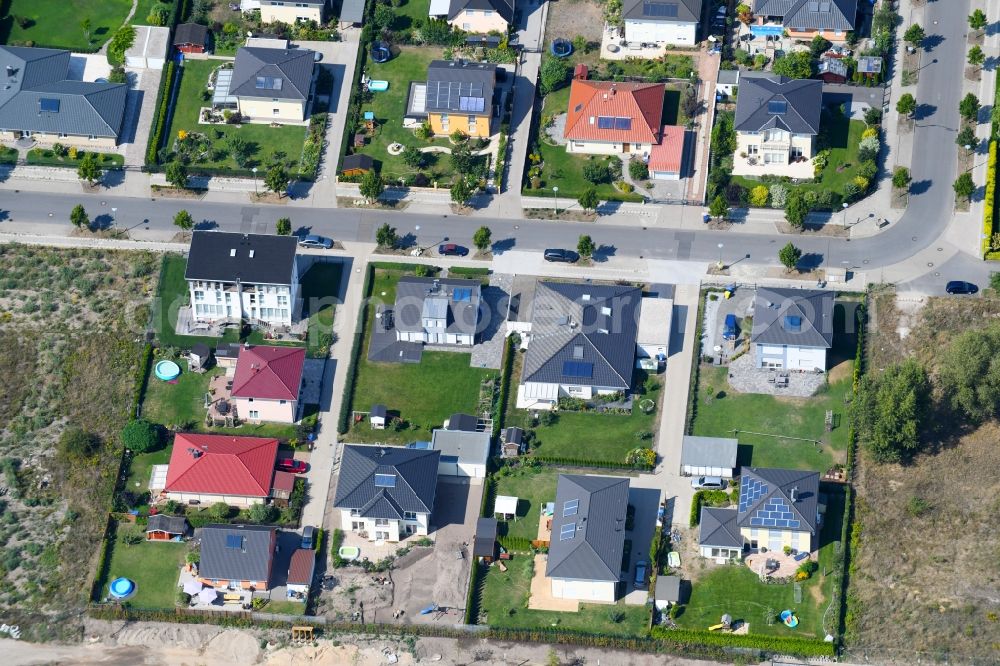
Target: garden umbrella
207	595
192	587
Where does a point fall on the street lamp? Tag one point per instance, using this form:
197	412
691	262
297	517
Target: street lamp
114	218
255	181
555	191
845	214
720	257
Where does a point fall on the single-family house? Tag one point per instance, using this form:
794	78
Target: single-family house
356	164
463	453
205	469
484	547
235	277
668	22
293	11
708	456
237	557
610	118
777	122
806	19
267	383
38	100
378	417
582	342
832	70
192	38
792	328
458	95
162	527
386	493
588	537
437	311
271	85
301	568
475	16
727	82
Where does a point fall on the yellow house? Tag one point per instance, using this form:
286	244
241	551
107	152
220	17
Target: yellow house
476	16
290	11
273	84
458	95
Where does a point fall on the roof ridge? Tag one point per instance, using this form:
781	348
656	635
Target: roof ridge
413	490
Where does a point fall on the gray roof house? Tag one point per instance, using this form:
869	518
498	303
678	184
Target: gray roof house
437	310
407	481
220	256
768	101
237	553
38	97
505	8
588	528
669	11
708	456
799	317
266	75
785	499
804	15
460	86
718	529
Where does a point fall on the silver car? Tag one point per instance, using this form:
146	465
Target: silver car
316	241
708	483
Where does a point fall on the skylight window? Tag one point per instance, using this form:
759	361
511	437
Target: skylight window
234	541
567	532
385	480
570	508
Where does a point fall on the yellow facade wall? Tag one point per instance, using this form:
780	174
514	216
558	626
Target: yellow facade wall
477	20
289	13
264	109
459	121
99	143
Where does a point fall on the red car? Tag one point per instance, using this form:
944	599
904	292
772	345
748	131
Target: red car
292	465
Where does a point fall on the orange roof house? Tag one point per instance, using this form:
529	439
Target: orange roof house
610	117
666	160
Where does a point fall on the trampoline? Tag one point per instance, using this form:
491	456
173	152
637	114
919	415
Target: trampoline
381	52
561	48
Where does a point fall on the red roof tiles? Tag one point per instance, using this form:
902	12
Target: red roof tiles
269	373
222	465
642	103
300	568
668	155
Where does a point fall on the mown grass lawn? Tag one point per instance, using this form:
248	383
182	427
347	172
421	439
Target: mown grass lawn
144	7
320	289
533	486
285	608
505	598
154	567
58	23
141	467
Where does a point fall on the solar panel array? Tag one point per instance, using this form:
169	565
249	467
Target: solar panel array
571	507
578	369
663	9
775	513
612	122
49	105
462	295
751	490
456	96
777	107
567	532
234	541
385	480
473	104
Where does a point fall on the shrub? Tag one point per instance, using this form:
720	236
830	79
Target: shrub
596	172
989	198
75	444
638	170
759	196
779	195
220	511
262	513
553	75
140	436
641	456
160	115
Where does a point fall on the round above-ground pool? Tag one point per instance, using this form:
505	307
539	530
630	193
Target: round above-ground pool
122	588
561	48
349	553
166	370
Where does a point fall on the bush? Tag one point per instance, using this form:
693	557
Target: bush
779	195
75	444
160	115
759	196
183	598
140	436
989	198
553	75
262	513
638	170
596	172
220	511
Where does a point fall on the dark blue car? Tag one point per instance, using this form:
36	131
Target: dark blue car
729	328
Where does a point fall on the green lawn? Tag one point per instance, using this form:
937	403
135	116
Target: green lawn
154	567
505	598
263	139
533	487
45	157
320	291
57	23
144	7
409	12
142	465
284	608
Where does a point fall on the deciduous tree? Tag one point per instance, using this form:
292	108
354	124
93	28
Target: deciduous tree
177	174
588	199
482	238
88	169
283	227
371	186
914	35
78	216
906	105
385	236
969	107
183	220
964	186
585	246
276	179
789	256
891	409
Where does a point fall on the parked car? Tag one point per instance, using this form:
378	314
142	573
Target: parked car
451	249
640	573
308	533
292	465
729	327
708	483
313	240
960	287
559	255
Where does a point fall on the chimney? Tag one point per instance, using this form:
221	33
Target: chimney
10	71
612	91
251	254
793	494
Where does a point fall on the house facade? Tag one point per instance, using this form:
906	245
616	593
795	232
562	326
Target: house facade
386	493
668	22
237	278
459	96
609	118
267	383
806	19
237	557
437	311
475	16
777	123
792	329
205	469
272	85
292	11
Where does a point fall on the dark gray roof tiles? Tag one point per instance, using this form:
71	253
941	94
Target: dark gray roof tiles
575	341
672	11
768	101
226	257
718	528
236	552
460	86
797	317
170	524
505	8
588	541
776	8
412	486
821	15
782	499
190	33
454	299
272	73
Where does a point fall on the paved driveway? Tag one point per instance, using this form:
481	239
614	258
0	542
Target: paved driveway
143	86
646	501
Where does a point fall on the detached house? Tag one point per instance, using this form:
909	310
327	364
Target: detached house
292	11
458	95
437	311
242	277
805	19
609	118
792	328
267	383
237	557
777	122
386	493
476	16
669	22
270	85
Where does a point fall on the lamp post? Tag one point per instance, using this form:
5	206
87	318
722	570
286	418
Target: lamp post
845	214
555	191
720	257
114	218
255	181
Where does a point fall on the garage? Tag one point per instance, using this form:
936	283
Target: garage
149	50
708	456
655	317
463	453
666	159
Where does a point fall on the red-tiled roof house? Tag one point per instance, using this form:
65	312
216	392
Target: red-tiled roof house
206	469
267	383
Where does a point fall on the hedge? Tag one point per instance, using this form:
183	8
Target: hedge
700	498
587	462
104	560
473	595
692	406
790	645
989	201
473	271
346	405
508	368
489	497
160	114
142	377
336	541
405	268
522	544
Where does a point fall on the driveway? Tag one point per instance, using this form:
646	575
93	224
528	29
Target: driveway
143	86
646	501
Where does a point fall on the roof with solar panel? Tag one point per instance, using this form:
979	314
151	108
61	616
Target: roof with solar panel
780	499
460	86
768	101
673	11
272	73
387	481
588	528
453	301
811	14
796	317
606	111
231	552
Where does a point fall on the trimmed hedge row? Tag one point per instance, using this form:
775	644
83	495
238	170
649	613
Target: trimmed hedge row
104	560
699	499
522	544
989	202
692	406
346	405
405	268
141	378
508	368
473	595
791	645
467	271
586	462
160	114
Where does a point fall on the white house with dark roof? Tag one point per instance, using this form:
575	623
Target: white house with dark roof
805	19
437	311
792	328
669	22
271	85
386	493
588	537
475	16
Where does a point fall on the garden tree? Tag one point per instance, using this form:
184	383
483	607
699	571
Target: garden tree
177	174
283	227
690	104
596	172
758	196
140	436
132	537
977	20
967	137
158	16
371	186
890	410
638	170
412	157
183	220
873	116
262	513
724	135
78	216
789	256
121	43
385	236
906	105
969	107
818	45
976	57
458	136
963	186
460	191
718	207
585	246
276	179
239	149
969	374
465	162
76	444
85	24
88	169
588	199
553	75
796	209
117	75
797	65
219	511
482	238
383	17
914	35
901	177
744	13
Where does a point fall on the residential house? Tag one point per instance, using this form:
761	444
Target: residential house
668	22
437	311
236	277
161	527
609	118
271	85
205	469
458	95
38	100
293	11
832	70
582	342
301	569
805	19
792	328
708	456
386	493
484	547
267	383
777	122
191	38
463	453
588	537
475	16
237	557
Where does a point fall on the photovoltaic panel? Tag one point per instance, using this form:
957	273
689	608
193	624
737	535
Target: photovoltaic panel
661	9
605	122
578	369
234	541
623	123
